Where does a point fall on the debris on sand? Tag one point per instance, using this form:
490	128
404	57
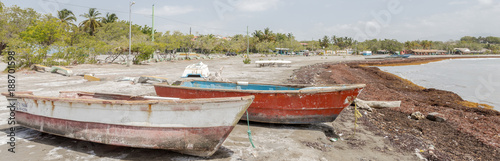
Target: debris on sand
377	104
61	70
90	77
131	79
40	68
417	116
145	78
53	69
217	76
434	116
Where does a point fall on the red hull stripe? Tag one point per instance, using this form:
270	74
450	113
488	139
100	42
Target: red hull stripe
288	108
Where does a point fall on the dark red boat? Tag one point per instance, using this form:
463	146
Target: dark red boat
285	104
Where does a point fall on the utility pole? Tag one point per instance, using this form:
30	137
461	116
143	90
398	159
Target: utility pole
312	42
129	32
153	25
291	48
190	43
248	43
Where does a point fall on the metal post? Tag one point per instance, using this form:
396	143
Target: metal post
153	26
291	46
129	32
248	43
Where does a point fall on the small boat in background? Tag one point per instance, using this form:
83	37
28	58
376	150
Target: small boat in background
378	56
285	104
190	126
198	70
399	56
385	56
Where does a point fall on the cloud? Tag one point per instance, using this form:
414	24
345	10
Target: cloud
474	21
457	2
167	10
256	5
485	2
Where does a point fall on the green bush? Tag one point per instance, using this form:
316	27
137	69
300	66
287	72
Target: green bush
144	51
246	61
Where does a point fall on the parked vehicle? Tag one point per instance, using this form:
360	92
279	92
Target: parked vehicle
231	54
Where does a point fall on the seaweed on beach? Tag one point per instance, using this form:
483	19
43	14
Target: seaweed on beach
469	132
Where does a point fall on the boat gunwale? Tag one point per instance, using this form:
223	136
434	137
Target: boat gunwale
125	102
337	87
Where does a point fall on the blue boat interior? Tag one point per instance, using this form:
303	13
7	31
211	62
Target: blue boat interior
222	85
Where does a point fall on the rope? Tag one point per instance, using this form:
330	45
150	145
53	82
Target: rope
249	132
357	115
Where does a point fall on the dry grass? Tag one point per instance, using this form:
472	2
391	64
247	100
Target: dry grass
405	81
475	105
411	63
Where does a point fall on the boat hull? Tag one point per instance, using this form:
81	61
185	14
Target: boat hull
285	107
193	141
195	127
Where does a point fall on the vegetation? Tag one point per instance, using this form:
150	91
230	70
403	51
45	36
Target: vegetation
490	43
50	40
66	16
92	21
247	60
109	18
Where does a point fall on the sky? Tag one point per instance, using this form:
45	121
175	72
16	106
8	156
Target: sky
437	20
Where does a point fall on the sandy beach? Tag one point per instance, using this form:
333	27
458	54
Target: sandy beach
383	134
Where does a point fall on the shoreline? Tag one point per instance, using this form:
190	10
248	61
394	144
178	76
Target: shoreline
420	60
465	117
465	90
425	60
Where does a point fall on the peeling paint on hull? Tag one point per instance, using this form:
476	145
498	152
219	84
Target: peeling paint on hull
190	126
193	141
279	106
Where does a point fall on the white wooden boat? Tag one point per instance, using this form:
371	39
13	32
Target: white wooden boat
190	126
196	70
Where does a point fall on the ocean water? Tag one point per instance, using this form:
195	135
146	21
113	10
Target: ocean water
475	80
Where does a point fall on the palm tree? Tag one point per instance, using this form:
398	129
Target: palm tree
65	16
109	18
290	36
426	44
325	42
92	22
269	35
259	35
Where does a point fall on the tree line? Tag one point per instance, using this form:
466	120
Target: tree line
391	45
34	37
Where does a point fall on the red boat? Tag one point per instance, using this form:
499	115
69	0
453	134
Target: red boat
285	104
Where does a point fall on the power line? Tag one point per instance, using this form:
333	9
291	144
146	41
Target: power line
200	25
147	15
69	4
